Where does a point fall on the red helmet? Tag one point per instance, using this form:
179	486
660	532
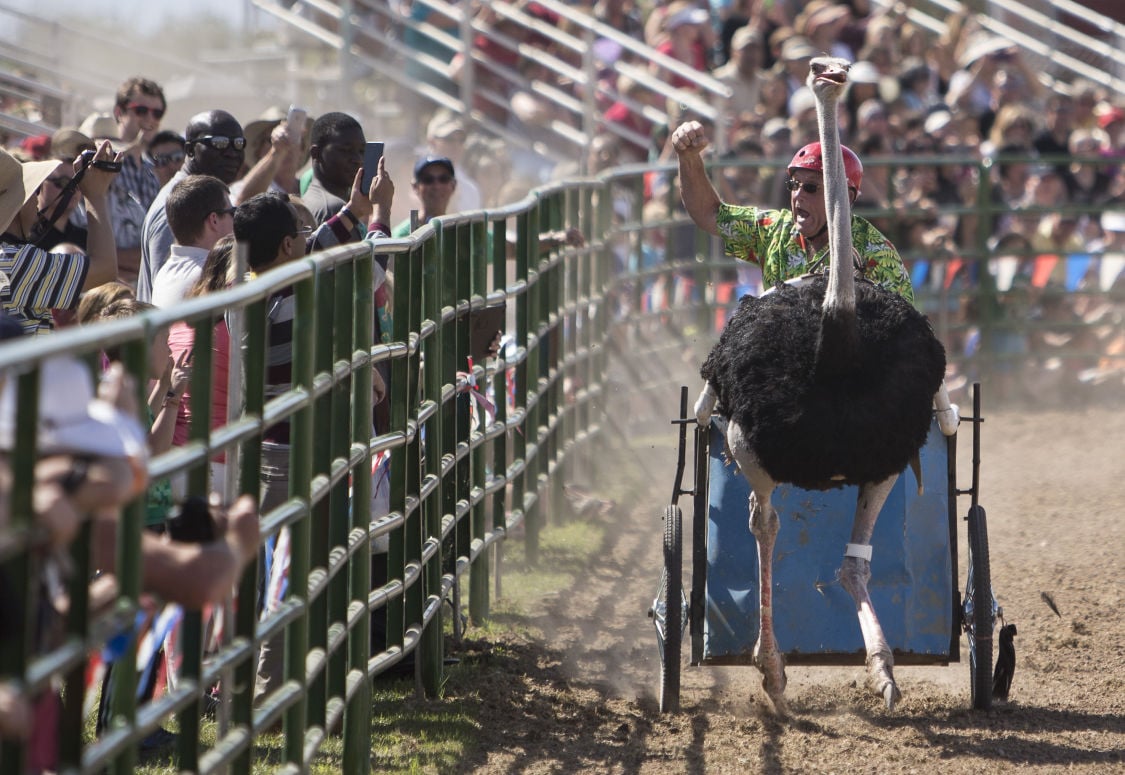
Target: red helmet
809	158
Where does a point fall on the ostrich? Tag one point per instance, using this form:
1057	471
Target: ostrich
826	382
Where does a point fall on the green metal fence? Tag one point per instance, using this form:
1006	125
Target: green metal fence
457	486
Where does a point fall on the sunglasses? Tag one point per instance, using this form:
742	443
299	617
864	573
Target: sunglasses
144	110
809	188
221	142
225	211
59	181
431	179
164	159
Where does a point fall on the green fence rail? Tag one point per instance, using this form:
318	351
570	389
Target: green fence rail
460	479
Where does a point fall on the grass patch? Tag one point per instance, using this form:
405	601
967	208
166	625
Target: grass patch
411	735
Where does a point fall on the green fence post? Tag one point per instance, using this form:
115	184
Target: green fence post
524	373
303	443
339	499
21	570
435	287
249	459
479	571
357	711
198	477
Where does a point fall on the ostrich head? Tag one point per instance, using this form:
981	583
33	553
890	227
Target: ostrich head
828	77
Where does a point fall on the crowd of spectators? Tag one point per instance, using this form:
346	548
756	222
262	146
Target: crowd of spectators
936	119
105	220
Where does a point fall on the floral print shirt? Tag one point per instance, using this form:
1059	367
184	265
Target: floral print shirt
770	239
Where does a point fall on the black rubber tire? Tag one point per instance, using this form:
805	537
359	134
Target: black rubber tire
980	647
673	608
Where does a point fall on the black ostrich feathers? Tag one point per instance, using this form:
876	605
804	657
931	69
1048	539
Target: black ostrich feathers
810	425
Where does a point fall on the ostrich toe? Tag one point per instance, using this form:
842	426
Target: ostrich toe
771	663
880	676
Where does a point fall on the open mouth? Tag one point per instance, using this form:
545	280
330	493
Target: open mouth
836	76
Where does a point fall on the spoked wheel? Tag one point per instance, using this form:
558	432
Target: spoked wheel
979	614
670	603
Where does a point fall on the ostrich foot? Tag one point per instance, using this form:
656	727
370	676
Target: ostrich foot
880	677
771	663
705	404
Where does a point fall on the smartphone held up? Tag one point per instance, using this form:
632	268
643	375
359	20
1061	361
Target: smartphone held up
371	155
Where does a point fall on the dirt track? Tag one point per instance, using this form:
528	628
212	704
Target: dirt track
579	695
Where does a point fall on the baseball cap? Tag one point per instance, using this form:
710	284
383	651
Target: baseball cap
796	48
444	124
426	161
863	72
744	36
71	418
681	14
1108	115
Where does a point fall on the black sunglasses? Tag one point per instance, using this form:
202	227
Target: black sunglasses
221	142
809	188
164	159
431	179
144	110
225	211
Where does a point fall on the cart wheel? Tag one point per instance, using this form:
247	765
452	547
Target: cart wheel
672	594
979	614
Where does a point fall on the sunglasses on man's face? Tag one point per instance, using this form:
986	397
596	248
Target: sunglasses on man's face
164	159
143	110
431	179
221	142
809	188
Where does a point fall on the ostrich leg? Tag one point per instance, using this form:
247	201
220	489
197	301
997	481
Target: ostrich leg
764	524
854	574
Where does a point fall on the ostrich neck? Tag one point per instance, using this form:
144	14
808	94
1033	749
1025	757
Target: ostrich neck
841	282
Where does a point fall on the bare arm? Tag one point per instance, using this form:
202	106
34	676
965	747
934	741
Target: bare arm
213	568
698	195
258	179
100	244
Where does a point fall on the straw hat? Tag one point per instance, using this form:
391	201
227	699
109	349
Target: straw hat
18	183
67	143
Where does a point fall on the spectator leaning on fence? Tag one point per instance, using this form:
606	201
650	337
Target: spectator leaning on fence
37	280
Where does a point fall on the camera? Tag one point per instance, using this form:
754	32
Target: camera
86	160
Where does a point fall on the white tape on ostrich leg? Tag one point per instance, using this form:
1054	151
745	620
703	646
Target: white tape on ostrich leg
948	415
705	404
862	551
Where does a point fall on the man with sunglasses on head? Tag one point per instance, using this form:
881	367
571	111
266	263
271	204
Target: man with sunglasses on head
785	243
138	109
214	145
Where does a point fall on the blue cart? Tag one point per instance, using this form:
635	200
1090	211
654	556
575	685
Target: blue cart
914	586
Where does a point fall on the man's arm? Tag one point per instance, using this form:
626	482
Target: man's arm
258	179
698	195
100	244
